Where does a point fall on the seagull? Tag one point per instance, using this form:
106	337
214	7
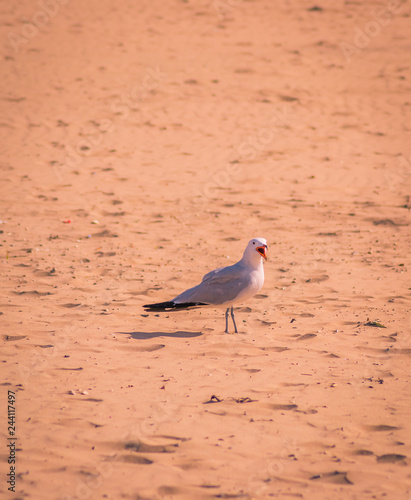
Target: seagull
224	286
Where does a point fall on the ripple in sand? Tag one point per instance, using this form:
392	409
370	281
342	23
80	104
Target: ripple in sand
382	428
105	234
13	338
307	336
283	407
134	459
390	458
140	447
335	477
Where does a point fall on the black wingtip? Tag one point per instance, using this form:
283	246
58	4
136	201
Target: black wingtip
171	306
161	306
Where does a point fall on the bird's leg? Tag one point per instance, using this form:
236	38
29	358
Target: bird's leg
226	320
232	317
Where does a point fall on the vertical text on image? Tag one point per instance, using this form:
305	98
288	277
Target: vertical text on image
11	445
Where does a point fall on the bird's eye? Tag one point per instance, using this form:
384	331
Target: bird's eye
253	242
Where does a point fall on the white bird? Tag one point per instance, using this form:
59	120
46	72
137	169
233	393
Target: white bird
224	286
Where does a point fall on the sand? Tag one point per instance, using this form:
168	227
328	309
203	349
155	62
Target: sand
143	144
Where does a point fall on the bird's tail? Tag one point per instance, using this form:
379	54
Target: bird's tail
171	306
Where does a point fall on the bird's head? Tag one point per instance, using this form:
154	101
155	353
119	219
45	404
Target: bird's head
256	245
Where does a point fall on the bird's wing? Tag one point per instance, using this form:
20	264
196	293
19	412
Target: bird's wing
218	286
212	273
222	275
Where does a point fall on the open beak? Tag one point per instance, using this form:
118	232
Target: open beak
262	251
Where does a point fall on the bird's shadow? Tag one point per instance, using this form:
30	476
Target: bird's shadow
153	335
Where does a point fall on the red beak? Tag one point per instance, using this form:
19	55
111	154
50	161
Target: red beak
262	251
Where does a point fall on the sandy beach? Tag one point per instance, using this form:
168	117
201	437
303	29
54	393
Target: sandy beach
143	145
